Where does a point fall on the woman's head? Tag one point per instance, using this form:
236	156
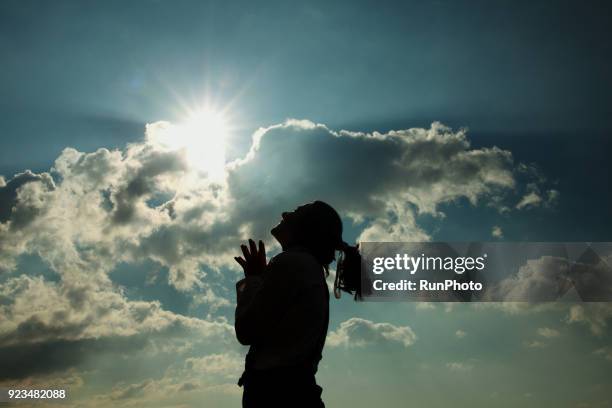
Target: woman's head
318	227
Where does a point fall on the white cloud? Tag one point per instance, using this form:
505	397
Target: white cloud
541	279
535	198
595	315
39	310
146	202
226	365
61	315
531	199
459	366
548	332
358	332
552	197
460	334
425	306
496	232
605	352
535	344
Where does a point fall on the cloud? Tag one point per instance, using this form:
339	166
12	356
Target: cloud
548	332
58	325
358	332
522	308
460	334
497	232
147	203
459	366
23	198
605	352
595	315
535	198
531	199
384	178
425	306
541	279
70	379
226	365
188	382
535	344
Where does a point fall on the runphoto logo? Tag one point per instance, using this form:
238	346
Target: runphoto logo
412	264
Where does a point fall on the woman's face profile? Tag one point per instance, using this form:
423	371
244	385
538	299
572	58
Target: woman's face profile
285	232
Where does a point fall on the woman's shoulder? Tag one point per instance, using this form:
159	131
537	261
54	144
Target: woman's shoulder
295	255
297	261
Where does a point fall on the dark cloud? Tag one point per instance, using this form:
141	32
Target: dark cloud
369	175
142	183
24	360
9	196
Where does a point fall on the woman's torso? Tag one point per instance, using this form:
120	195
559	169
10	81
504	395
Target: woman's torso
297	339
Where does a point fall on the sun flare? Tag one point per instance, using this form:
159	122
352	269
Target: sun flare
202	135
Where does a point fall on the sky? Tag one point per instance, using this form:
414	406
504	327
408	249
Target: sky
141	142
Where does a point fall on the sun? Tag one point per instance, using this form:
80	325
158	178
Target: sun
202	135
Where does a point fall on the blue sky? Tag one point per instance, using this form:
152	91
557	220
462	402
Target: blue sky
501	113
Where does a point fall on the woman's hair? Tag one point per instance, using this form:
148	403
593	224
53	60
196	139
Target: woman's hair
320	229
348	272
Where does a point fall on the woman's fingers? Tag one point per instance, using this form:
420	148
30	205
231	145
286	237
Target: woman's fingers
253	248
241	261
262	253
254	261
245	252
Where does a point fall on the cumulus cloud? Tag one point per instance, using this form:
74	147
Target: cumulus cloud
497	232
45	320
23	198
38	311
536	198
358	332
385	178
594	315
148	202
460	334
541	279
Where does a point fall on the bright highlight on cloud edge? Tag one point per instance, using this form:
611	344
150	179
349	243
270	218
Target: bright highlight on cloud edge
202	136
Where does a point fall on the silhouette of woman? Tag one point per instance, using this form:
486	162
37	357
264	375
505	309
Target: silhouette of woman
282	311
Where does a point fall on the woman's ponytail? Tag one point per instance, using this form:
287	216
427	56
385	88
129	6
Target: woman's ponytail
348	271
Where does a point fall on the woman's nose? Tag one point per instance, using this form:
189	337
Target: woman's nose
284	215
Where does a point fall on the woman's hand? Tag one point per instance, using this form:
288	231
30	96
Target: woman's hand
254	261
